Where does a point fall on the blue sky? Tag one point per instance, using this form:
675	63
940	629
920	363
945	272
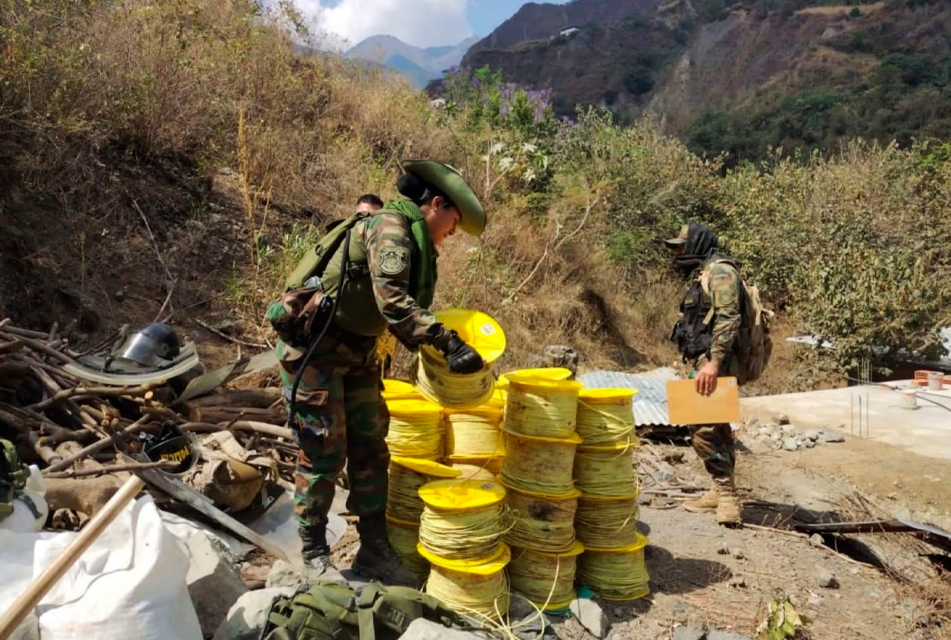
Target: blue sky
423	23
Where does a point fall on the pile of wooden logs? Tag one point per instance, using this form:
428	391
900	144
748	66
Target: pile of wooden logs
73	429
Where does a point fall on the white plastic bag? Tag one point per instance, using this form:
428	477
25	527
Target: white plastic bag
16	558
22	519
129	584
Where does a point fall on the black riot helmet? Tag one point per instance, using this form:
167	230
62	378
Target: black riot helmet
151	345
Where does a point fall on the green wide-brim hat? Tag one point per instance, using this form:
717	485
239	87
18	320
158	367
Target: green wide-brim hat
448	180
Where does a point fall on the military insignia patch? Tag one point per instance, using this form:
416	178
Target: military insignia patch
392	261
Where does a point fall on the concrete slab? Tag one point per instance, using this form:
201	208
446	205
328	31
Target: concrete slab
925	431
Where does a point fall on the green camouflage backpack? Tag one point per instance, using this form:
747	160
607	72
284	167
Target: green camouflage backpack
330	611
13	476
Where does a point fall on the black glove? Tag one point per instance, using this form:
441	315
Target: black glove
461	357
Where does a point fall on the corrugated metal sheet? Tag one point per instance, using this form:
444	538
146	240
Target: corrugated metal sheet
650	403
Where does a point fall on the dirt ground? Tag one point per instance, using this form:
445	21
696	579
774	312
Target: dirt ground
704	576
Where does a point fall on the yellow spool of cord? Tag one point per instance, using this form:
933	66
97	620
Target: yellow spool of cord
542	408
399	390
461	391
539	465
541	522
416	429
607	522
616	574
606	472
404	538
492	464
546	373
474	472
546	579
606	417
479	589
475	433
462	519
407	475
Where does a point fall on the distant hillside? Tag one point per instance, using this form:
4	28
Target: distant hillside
419	65
742	76
542	21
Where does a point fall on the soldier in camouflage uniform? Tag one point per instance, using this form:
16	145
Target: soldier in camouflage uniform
706	336
339	415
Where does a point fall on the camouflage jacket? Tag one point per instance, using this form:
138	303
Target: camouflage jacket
387	242
725	289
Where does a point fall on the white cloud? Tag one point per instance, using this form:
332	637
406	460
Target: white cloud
423	23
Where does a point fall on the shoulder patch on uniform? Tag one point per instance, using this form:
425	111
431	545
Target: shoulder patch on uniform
393	261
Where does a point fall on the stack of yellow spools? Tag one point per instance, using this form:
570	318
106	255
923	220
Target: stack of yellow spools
461	536
445	417
404	507
606	521
540	443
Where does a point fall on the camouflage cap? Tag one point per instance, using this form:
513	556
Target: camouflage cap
681	238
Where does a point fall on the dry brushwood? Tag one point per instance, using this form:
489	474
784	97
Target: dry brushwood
60	422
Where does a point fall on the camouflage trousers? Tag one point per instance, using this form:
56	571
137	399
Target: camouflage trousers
340	419
715	448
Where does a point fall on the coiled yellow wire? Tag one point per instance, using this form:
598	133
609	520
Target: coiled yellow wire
615	574
462	535
606	417
547	580
404	539
541	523
475	433
539	465
402	495
416	429
542	408
605	472
486	596
452	390
607	523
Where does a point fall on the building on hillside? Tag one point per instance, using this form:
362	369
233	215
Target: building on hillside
567	32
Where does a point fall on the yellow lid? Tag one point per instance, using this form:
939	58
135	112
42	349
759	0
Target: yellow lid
571	495
639	545
398	386
574	439
606	396
547	373
526	382
461	495
556	606
576	550
426	467
478	330
410	408
399	390
626	496
481	567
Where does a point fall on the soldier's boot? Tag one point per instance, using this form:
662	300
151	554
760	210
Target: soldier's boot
316	554
706	503
728	509
376	558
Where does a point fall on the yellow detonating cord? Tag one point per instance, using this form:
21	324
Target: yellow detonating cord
542	408
452	390
605	424
462	535
616	574
487	598
607	523
605	472
474	434
416	429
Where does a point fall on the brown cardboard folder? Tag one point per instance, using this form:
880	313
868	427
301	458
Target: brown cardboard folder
685	406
